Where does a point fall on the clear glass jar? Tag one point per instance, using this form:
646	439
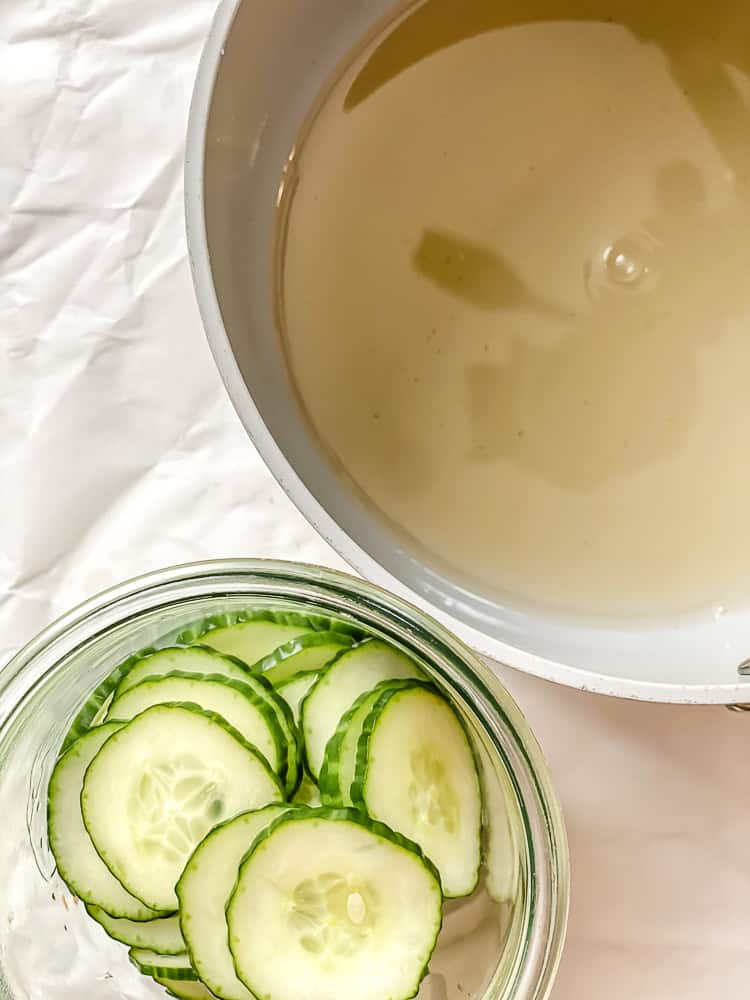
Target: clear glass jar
504	943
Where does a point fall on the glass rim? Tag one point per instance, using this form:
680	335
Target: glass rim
540	951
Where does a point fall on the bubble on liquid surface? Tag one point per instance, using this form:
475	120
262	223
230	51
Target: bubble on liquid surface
629	263
623	266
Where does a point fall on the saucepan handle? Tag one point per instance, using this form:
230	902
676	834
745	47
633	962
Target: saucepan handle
744	671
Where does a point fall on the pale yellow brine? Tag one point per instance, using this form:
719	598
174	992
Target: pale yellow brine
516	292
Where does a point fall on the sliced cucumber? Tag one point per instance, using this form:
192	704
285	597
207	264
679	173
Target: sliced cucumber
204	889
292	739
340	761
251	641
162	935
416	772
92	711
249	713
205	662
339	686
184	990
306	653
332	905
197	630
77	861
181	660
157	787
192	634
501	821
308	793
159	662
294	690
164	966
254	633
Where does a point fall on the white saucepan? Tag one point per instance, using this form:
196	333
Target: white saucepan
263	66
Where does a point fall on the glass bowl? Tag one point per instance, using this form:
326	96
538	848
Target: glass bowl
503	942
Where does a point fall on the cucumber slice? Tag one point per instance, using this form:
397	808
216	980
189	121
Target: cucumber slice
205	662
259	618
250	714
251	641
204	889
181	660
159	662
340	761
416	772
294	690
310	652
254	633
77	861
192	634
159	785
164	966
162	935
331	904
291	737
184	990
339	686
92	711
308	793
502	854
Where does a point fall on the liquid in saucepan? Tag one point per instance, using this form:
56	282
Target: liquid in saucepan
516	295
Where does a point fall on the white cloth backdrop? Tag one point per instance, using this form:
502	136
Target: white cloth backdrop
120	453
